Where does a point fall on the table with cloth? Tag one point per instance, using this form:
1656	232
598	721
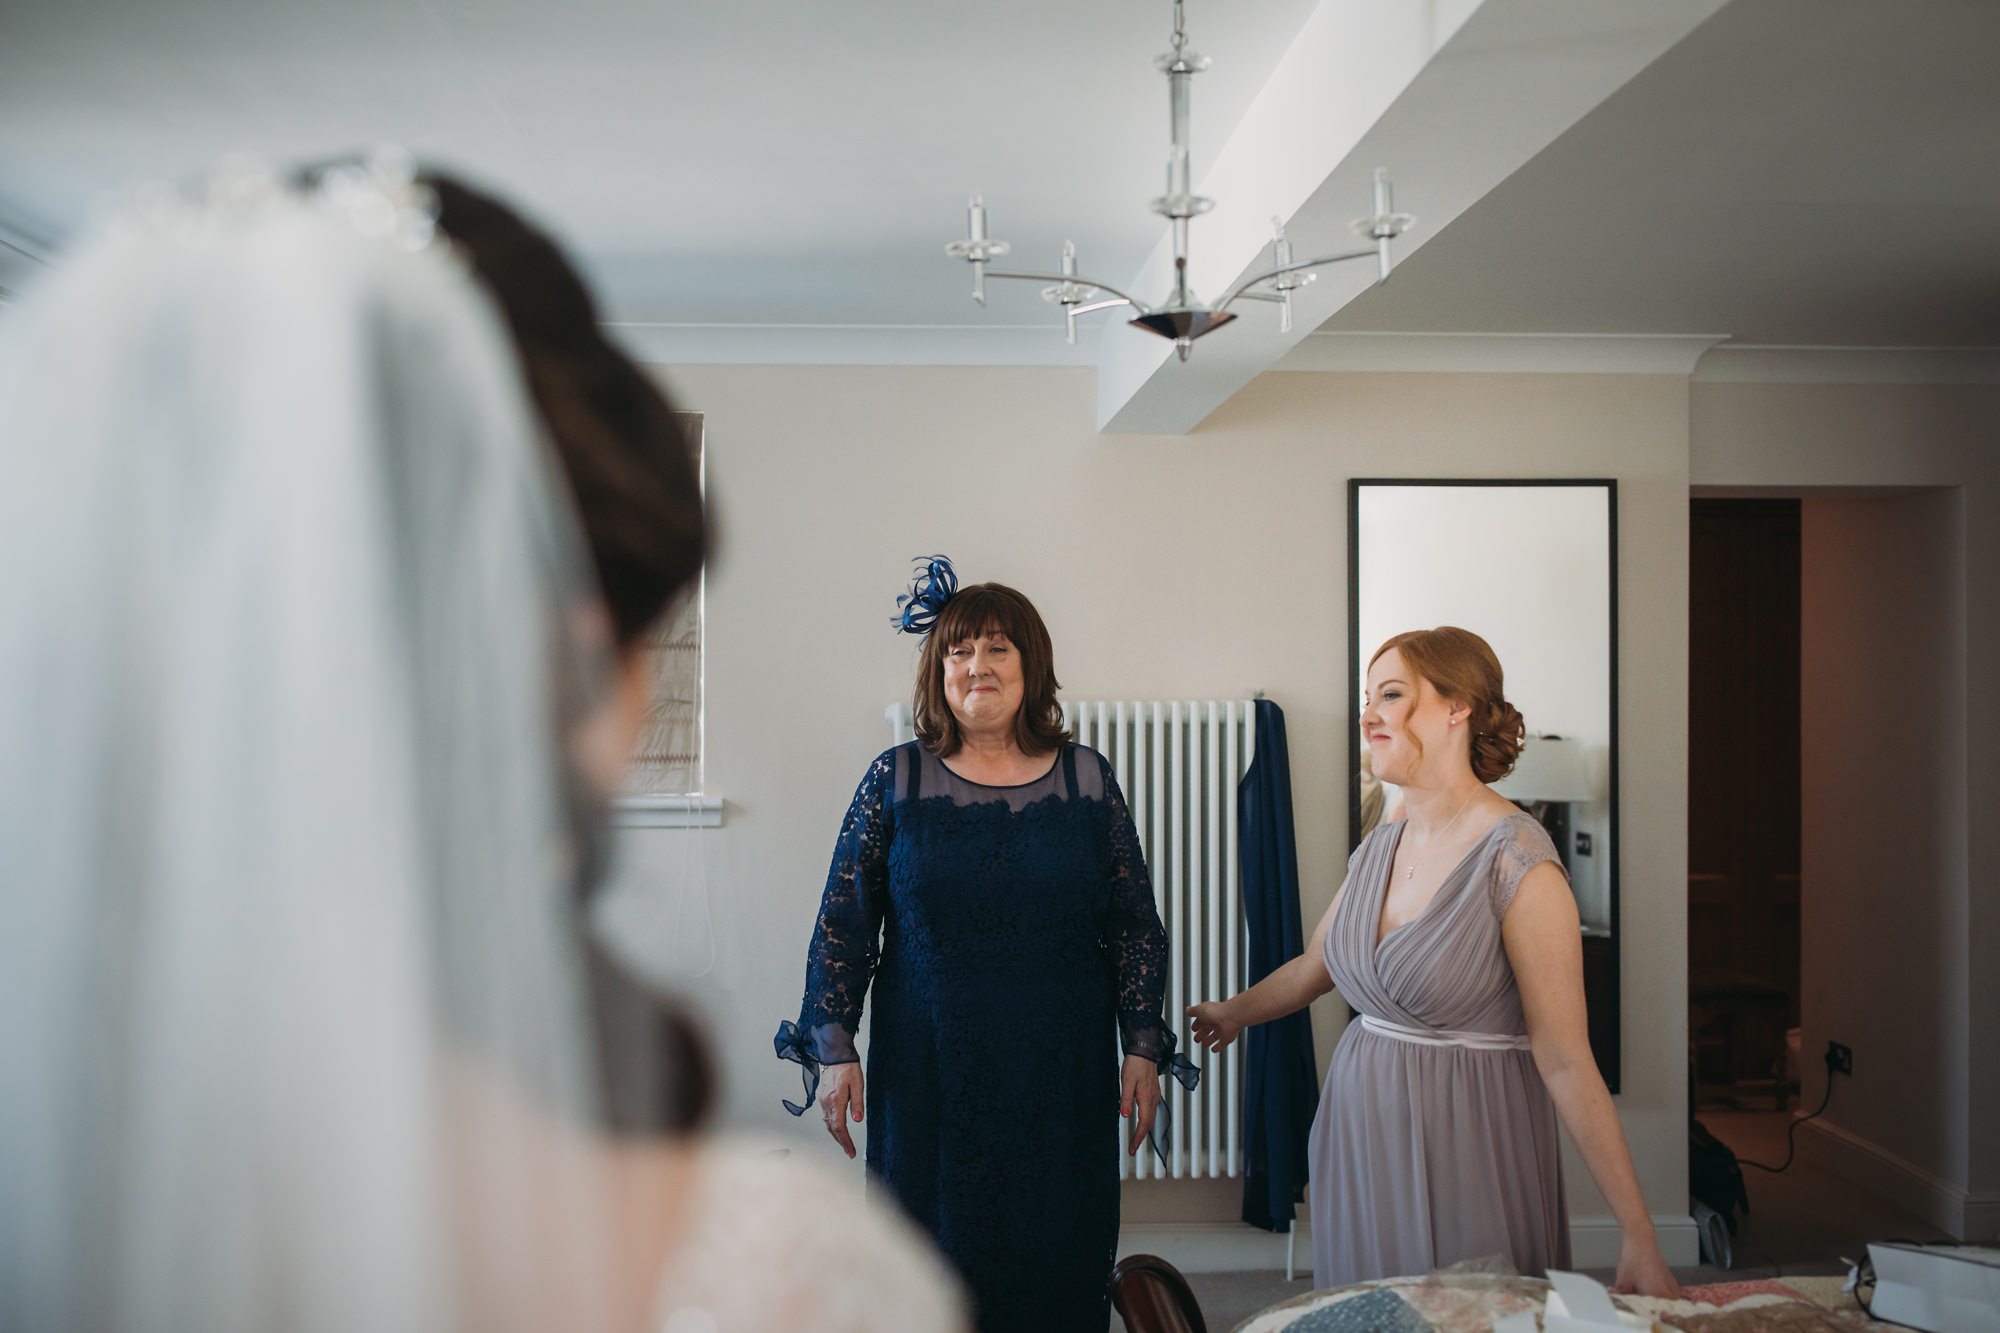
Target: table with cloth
1470	1302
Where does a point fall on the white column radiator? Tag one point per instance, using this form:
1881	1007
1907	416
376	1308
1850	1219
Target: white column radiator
1180	763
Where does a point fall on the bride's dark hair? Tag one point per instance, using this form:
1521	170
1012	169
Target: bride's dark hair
625	451
623	445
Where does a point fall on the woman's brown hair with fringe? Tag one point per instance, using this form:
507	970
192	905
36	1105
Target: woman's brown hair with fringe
1463	668
990	608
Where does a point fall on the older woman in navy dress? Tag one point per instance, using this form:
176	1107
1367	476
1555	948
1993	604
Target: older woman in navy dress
988	880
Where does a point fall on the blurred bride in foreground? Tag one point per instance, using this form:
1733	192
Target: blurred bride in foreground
312	695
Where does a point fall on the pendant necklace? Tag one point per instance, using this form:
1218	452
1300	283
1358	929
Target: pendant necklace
1410	870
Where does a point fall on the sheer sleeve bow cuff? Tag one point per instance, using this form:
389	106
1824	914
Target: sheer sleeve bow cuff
790	1044
1182	1070
827	1044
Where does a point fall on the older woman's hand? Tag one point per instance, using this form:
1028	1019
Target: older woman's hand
839	1098
1139	1097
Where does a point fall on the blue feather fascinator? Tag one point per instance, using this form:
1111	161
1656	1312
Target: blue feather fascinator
918	609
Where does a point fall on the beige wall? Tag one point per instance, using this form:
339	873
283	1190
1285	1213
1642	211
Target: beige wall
1883	921
1196	567
1901	875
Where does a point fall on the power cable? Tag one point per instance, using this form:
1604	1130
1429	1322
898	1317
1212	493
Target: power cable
1791	1144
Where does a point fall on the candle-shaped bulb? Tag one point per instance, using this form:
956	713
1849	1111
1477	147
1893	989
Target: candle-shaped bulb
1383	206
1069	259
1281	249
975	218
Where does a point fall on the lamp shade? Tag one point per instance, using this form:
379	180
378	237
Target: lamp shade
1549	769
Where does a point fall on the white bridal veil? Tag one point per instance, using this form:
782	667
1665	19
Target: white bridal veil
292	630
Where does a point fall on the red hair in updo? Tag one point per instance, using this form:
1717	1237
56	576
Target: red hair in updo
1462	667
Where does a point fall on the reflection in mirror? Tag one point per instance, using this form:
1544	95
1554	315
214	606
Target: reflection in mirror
1531	568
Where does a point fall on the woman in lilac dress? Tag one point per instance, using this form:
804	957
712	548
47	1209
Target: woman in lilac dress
1457	940
988	882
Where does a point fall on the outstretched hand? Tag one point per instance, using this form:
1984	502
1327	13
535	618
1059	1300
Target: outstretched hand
1213	1028
1139	1097
1643	1271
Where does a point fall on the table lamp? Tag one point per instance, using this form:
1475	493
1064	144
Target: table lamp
1548	775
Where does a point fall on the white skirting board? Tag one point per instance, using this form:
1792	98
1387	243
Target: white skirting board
1232	1247
1954	1211
1594	1241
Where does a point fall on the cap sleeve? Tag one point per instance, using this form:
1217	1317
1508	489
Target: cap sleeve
1526	846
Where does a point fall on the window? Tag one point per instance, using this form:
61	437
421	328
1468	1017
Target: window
668	761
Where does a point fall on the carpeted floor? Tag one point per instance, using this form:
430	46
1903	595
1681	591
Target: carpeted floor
1805	1218
1801	1224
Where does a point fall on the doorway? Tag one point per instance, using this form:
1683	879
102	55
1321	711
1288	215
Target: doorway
1825	793
1743	802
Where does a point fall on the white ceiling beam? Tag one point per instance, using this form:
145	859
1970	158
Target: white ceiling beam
1453	96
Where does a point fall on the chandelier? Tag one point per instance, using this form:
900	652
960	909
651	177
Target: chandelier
1181	316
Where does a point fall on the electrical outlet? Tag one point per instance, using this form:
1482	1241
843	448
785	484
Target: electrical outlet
1840	1058
1583	844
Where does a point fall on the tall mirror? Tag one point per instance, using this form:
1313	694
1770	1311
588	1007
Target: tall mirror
1531	566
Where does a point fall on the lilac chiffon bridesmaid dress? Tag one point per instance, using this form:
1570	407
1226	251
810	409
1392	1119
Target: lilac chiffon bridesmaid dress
1436	1141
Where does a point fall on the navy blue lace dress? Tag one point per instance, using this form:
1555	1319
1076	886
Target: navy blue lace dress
1013	945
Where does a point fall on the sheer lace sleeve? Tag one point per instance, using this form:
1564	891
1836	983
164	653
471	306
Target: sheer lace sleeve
1136	940
846	940
1137	943
1526	846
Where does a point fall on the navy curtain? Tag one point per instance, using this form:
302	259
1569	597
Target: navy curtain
1281	1088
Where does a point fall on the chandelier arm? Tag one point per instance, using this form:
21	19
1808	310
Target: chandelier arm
1101	305
1080	281
1269	273
1259	296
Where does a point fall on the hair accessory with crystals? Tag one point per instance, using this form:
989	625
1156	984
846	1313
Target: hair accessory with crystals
917	610
382	196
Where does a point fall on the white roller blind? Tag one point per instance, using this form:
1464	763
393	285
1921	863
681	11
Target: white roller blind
668	762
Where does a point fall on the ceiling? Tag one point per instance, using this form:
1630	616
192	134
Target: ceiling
1820	172
768	161
1794	172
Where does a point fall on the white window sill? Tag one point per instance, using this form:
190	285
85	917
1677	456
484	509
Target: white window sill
667	812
